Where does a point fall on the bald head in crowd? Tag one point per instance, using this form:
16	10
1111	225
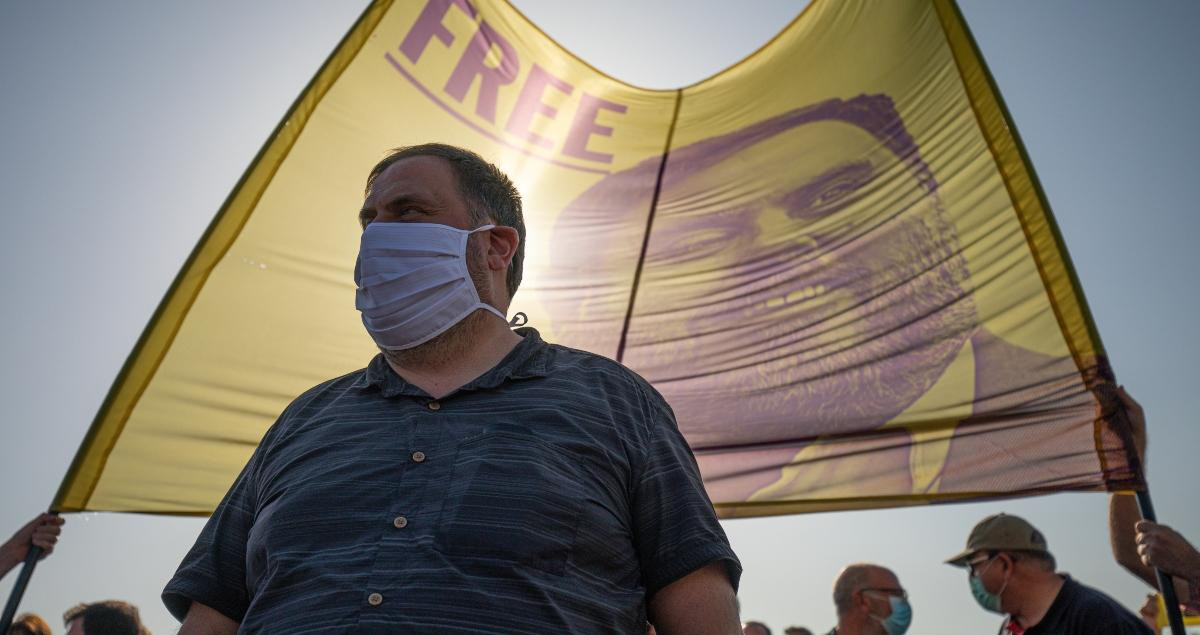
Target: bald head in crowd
755	628
870	601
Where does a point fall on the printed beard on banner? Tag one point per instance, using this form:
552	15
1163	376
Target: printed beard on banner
832	259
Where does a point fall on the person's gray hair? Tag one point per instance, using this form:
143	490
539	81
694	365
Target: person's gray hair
488	192
853	578
1044	559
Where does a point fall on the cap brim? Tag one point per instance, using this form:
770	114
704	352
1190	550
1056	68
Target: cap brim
962	558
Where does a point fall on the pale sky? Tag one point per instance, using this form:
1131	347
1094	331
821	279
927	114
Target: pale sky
124	124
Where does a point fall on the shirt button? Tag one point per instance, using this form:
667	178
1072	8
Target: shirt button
418	457
400	522
375	599
433	405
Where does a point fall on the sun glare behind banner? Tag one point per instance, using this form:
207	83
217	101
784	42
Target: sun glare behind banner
832	259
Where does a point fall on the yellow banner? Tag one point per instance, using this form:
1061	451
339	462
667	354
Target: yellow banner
833	259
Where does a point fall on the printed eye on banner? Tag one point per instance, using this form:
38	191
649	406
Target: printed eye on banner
490	62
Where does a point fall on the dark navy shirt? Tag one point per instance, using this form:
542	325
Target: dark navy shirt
1082	610
554	493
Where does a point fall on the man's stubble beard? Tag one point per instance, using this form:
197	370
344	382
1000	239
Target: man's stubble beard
450	345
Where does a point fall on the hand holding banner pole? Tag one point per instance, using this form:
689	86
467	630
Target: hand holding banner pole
18	591
36	539
1165	584
1129	422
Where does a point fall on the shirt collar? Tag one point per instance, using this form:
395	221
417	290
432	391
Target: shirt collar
527	359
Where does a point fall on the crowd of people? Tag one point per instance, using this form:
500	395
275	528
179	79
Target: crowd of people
474	476
1011	572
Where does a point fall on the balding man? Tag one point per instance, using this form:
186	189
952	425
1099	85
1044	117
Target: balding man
870	601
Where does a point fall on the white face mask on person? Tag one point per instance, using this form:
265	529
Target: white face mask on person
413	282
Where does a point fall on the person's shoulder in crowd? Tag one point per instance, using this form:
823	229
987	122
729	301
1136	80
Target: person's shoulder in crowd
622	387
327	389
612	373
323	393
1098	609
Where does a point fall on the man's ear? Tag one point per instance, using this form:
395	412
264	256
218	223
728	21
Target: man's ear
502	247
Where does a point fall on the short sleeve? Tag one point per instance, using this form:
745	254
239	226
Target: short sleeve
676	528
213	572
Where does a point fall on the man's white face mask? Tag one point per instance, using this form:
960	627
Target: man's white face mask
413	282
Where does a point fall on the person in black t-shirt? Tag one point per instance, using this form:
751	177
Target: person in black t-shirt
1011	572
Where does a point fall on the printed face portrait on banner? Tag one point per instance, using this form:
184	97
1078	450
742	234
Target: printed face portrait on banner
804	260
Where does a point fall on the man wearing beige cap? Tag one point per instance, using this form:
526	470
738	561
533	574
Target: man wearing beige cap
1011	572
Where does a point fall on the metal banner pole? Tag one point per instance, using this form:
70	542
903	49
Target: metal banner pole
1165	584
14	598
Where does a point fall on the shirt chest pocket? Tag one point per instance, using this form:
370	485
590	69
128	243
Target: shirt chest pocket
512	497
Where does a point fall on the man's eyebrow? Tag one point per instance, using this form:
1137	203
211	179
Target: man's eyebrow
405	200
396	203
